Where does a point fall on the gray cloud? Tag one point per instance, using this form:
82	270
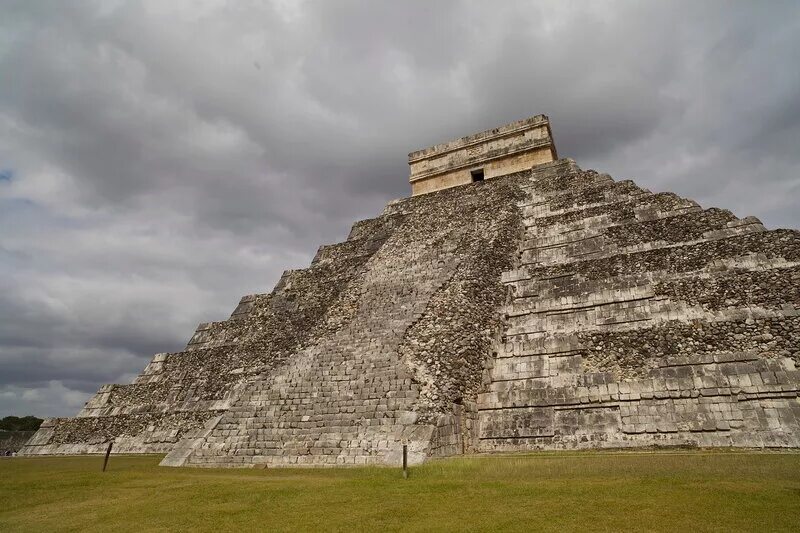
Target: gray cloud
160	159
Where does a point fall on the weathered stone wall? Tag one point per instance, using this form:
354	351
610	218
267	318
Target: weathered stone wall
492	168
500	151
641	319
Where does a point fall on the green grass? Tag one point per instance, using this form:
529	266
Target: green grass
685	491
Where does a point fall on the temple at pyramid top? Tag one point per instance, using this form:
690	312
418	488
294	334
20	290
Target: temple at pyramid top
495	152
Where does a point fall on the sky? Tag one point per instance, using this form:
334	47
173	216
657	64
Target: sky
158	160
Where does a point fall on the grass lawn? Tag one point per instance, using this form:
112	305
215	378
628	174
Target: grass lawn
659	491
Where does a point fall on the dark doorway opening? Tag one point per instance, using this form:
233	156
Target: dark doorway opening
477	175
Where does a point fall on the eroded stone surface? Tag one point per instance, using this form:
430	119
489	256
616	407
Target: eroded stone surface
642	319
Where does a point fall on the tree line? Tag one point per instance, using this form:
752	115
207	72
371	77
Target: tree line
25	423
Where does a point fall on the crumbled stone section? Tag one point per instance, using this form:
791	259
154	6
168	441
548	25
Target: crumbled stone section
641	319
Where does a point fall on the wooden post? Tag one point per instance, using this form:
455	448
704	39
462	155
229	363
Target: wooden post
405	461
108	452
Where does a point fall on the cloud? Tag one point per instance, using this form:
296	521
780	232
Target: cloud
160	159
52	397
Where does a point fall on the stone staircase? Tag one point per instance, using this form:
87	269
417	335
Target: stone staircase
363	388
347	400
616	313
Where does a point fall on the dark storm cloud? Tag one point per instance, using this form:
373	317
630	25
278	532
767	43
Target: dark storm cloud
160	159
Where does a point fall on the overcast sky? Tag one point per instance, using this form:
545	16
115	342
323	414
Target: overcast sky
159	159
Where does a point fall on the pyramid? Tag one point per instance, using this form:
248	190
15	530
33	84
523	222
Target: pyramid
514	302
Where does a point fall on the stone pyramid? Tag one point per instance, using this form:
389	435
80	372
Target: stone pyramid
515	302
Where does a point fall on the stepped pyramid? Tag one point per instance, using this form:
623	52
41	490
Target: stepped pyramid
513	302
